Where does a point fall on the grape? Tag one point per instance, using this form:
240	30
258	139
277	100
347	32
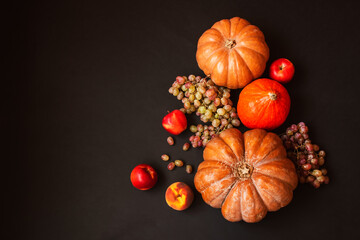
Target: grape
191	77
197	103
216	122
170	141
201	89
221	111
188	169
171	166
192	89
224	122
180	96
176	92
316	173
217	102
193	129
307	156
165	157
179	163
200	128
207	101
224	101
186	146
180	80
235	122
208	114
212	107
226	94
198	96
227	108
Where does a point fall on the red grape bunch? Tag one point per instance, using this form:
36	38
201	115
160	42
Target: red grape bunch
210	102
307	156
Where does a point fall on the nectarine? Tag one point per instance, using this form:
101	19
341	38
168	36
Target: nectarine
179	196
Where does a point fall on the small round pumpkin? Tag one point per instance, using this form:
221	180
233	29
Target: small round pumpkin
246	175
233	52
264	103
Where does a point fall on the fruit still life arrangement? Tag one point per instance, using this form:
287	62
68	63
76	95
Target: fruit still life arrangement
245	174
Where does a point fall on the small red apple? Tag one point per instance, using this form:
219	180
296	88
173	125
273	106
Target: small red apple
282	70
175	122
143	177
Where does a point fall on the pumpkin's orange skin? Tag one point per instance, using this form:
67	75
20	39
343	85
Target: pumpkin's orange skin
264	103
268	187
233	52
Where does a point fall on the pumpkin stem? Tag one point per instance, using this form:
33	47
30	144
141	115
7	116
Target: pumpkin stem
273	96
230	43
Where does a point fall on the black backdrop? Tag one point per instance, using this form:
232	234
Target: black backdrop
88	88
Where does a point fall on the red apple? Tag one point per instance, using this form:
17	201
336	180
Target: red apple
143	177
175	122
282	70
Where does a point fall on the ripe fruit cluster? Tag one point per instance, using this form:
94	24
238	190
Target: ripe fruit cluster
307	156
210	102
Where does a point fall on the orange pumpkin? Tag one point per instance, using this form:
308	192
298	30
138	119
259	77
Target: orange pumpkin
233	52
264	103
246	175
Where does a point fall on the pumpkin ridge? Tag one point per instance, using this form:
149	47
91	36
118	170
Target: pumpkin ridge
202	42
281	180
238	160
221	163
232	187
236	26
223	63
258	140
211	68
276	198
237	51
257	191
235	60
253	43
261	162
211	184
231	23
228	191
255	29
268	160
253	50
223	27
206	57
254	192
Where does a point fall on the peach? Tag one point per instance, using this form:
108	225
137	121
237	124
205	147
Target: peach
179	196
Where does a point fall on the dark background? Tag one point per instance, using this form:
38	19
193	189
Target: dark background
85	91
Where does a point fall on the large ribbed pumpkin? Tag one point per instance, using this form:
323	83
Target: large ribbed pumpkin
246	175
233	52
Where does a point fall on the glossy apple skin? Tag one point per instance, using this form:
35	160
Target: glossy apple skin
175	122
143	177
179	196
282	70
